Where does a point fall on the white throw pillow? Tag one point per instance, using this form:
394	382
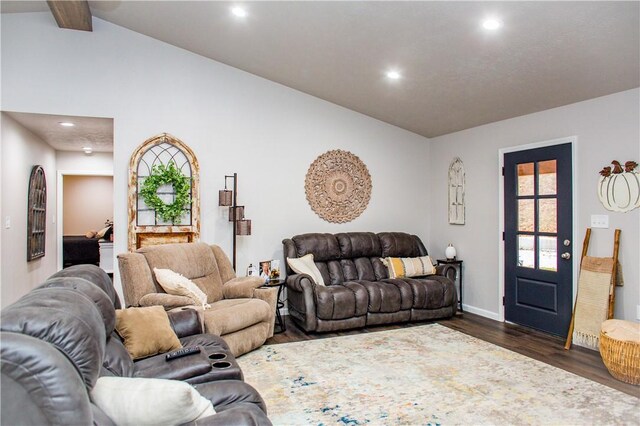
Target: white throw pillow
142	401
179	285
306	265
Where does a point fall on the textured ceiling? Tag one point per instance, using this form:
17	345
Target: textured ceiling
455	74
96	133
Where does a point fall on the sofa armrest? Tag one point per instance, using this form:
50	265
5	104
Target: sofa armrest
448	271
168	301
181	368
241	287
301	283
185	322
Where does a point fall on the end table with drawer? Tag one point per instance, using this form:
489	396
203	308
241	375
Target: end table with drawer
458	264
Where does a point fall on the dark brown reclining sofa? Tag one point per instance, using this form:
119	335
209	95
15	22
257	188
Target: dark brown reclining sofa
358	291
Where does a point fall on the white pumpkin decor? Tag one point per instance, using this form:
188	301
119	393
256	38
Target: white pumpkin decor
619	188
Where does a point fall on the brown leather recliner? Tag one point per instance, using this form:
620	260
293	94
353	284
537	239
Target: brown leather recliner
358	290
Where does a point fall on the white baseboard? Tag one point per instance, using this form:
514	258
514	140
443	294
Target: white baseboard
483	313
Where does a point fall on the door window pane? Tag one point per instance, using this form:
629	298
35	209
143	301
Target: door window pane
547	215
547	177
526	215
525	179
548	253
526	253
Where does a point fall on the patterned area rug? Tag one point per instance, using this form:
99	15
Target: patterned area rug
424	375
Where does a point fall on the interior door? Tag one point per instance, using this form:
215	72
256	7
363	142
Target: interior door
538	238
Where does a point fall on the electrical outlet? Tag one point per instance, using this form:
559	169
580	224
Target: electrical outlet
638	312
600	221
7	222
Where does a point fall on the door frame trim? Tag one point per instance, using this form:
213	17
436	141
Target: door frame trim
573	140
60	203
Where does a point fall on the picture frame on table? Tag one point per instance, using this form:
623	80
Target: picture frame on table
270	270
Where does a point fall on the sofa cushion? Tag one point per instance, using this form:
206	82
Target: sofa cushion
388	296
195	261
146	331
433	292
399	244
323	246
337	302
230	315
306	265
359	244
179	285
400	267
142	401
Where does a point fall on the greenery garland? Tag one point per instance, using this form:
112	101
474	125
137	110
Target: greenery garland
163	175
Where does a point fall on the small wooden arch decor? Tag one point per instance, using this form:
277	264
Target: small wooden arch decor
338	186
146	227
36	214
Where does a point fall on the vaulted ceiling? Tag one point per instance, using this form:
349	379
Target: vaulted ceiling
453	73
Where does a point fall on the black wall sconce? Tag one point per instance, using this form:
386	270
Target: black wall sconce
229	197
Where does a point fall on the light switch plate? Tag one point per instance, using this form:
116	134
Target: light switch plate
7	222
600	221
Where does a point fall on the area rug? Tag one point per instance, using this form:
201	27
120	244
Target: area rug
425	375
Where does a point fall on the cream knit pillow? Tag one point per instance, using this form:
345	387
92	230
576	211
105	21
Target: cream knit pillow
306	265
179	285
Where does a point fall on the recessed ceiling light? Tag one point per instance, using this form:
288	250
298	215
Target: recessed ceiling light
393	75
491	24
239	12
87	150
66	124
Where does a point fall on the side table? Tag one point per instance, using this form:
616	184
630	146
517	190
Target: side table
280	283
458	264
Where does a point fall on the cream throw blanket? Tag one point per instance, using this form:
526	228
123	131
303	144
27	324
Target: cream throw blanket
592	305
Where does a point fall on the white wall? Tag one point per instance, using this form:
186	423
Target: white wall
234	122
607	128
87	203
71	161
21	150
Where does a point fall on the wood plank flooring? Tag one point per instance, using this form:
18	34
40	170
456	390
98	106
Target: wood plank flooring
532	343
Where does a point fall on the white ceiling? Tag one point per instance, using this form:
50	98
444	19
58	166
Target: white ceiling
455	74
93	132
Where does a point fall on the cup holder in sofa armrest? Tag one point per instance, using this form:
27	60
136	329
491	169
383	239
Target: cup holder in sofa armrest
221	364
217	356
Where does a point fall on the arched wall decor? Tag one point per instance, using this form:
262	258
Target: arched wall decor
456	192
36	214
338	186
146	227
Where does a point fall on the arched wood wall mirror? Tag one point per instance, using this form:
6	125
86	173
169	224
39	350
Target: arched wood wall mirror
163	171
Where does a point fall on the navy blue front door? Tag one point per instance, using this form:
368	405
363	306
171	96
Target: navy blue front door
538	238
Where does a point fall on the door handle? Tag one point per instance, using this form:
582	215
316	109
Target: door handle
566	255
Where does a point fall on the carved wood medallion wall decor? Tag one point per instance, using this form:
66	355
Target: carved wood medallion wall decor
338	186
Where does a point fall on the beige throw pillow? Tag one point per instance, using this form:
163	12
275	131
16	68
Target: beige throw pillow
179	285
306	265
146	331
142	401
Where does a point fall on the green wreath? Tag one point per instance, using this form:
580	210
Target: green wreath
163	175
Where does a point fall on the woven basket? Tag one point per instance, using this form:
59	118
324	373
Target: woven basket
621	357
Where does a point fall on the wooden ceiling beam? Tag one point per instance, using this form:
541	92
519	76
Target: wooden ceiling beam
71	14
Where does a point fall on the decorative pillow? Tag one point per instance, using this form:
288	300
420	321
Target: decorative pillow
146	331
179	285
409	266
100	233
306	265
142	401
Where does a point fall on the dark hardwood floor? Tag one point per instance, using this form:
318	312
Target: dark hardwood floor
532	343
